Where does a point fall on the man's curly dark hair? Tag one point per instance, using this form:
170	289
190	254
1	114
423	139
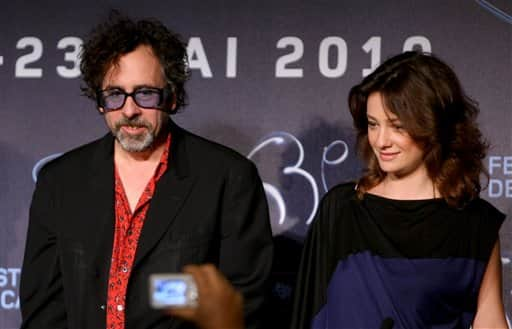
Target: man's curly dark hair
120	35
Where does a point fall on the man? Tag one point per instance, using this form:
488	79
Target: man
148	198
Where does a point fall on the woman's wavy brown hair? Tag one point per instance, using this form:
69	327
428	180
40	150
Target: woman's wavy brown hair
426	96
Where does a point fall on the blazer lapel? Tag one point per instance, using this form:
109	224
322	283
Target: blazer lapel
102	201
171	192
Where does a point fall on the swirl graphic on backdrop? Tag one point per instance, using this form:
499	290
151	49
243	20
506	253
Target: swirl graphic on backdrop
495	11
281	138
39	164
335	162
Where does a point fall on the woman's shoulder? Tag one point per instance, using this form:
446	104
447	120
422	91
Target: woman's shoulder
484	210
340	192
335	211
336	202
481	223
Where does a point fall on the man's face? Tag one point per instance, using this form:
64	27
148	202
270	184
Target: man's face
136	129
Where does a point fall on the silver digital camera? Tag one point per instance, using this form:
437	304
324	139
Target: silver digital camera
172	290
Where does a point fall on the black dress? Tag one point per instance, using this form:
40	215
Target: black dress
383	263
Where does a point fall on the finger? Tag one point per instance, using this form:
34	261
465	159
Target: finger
210	272
187	313
190	269
199	278
214	277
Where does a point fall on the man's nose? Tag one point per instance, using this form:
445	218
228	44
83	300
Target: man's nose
130	109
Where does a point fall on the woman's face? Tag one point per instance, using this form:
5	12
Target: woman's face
398	154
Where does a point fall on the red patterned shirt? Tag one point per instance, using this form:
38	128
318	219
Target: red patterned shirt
128	226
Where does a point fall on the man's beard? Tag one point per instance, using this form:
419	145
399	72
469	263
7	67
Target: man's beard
134	142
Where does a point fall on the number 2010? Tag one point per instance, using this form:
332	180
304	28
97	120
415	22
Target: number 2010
371	46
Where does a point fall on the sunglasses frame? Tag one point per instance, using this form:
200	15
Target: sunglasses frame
164	93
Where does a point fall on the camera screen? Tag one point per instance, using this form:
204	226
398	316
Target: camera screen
170	292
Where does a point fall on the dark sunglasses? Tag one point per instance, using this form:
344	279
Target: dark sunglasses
145	97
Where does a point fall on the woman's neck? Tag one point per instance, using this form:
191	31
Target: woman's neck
411	187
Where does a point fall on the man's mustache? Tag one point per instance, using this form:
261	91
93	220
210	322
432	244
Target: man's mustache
134	122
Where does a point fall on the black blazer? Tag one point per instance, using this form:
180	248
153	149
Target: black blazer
209	206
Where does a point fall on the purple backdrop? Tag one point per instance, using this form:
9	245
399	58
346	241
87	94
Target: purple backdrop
270	79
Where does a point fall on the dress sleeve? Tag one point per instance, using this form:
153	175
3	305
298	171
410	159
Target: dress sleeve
316	265
489	223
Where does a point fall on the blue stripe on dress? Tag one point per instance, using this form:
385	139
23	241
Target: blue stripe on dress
365	289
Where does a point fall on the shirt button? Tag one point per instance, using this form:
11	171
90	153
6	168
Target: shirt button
120	308
102	307
124	269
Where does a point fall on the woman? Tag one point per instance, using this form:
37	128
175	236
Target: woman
411	245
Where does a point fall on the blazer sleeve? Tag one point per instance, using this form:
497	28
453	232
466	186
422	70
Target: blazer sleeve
246	247
41	293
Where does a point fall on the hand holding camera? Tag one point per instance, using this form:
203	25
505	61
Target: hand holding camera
204	296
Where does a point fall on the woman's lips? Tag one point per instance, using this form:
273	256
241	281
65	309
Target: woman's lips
388	156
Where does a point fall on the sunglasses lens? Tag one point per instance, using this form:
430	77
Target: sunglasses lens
148	98
111	100
114	102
